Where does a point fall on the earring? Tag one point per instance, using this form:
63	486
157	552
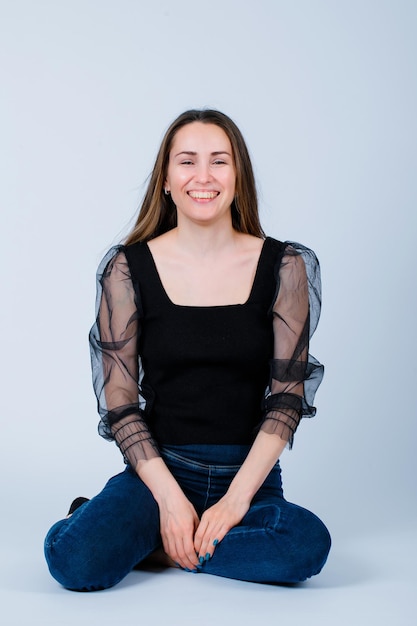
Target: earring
166	191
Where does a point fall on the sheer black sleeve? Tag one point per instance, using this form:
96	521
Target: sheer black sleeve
115	361
295	374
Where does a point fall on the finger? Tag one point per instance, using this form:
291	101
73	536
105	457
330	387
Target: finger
190	556
170	550
186	561
198	538
188	542
205	536
210	541
182	552
179	545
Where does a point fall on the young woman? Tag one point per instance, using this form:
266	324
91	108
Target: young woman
202	374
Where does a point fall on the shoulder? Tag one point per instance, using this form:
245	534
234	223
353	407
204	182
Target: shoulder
304	258
135	252
293	252
111	257
295	248
113	267
296	261
272	253
275	245
121	261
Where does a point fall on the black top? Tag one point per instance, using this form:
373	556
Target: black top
205	368
171	374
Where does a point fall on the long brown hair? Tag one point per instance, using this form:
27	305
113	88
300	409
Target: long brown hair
158	214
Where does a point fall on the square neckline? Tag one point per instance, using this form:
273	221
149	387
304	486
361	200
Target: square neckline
214	306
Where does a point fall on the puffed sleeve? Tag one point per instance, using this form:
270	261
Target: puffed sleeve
116	365
295	374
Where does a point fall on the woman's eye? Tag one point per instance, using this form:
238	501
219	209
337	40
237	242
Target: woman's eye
186	162
219	162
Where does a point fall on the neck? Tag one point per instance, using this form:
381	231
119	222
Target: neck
204	241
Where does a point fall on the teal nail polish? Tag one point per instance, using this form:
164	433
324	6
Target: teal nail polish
207	556
201	559
215	542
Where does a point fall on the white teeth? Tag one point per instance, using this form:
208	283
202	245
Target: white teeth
203	195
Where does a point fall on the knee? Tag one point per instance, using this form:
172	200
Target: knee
319	548
299	542
309	548
76	566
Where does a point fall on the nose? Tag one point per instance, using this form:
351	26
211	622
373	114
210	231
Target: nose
203	173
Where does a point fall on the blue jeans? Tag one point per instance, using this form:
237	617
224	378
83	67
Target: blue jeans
276	541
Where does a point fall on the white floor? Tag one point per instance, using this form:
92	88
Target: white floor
368	580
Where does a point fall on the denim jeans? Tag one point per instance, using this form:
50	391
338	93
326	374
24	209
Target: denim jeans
276	541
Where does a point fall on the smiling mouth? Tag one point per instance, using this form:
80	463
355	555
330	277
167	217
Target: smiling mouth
203	195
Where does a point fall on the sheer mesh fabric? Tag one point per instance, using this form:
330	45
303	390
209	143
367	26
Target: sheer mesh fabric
295	375
115	364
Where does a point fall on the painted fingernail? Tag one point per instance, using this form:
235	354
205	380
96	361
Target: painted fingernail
215	542
201	559
207	556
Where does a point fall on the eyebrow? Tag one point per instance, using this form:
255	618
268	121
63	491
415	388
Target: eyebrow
192	153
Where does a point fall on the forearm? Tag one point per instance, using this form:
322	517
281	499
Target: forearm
178	518
159	480
263	455
233	506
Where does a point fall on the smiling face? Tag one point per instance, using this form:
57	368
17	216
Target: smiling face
201	174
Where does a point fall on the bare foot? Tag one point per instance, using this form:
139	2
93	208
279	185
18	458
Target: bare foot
159	558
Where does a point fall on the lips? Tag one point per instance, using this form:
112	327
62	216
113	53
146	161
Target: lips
203	195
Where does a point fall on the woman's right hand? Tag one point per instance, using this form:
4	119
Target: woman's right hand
179	521
178	518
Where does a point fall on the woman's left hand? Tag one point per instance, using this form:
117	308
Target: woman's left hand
215	523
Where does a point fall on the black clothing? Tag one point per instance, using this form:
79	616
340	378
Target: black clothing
171	374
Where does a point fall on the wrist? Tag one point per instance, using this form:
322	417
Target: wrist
167	492
239	493
159	480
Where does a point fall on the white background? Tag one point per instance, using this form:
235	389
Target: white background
325	93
